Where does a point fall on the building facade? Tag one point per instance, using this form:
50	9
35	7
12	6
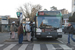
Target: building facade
4	23
64	11
73	6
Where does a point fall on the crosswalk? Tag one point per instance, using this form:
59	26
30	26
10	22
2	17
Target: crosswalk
35	47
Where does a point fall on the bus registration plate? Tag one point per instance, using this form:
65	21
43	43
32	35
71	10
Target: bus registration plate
49	36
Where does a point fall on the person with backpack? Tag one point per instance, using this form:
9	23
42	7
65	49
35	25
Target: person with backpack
32	31
28	32
24	31
70	31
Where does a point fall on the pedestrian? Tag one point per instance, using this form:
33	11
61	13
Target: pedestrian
32	31
13	29
28	32
24	31
70	31
20	33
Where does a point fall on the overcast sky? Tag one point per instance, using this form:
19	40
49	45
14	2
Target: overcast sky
9	7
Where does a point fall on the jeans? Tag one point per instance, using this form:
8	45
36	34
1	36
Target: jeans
70	35
20	38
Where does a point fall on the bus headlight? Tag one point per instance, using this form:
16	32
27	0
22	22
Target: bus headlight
59	30
38	31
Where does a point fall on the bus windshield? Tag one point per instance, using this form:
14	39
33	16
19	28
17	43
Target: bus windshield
48	22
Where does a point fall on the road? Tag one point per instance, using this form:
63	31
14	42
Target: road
3	37
42	44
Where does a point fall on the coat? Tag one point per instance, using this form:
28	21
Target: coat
20	30
13	28
70	29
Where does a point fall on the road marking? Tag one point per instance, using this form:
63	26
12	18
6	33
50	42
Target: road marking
36	47
23	47
50	47
45	43
65	47
1	45
9	47
60	41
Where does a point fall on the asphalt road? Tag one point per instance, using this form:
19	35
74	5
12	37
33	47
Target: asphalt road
5	36
42	44
64	39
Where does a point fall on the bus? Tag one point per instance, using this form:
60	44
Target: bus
48	24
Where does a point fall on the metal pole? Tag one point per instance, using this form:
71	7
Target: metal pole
19	21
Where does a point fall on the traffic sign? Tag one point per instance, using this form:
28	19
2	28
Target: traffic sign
18	14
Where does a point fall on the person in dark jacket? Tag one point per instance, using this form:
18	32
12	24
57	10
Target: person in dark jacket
70	31
32	33
20	33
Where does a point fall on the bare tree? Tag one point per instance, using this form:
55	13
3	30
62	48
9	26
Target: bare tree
53	8
29	10
45	10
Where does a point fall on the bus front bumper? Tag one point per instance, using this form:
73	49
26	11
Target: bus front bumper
51	35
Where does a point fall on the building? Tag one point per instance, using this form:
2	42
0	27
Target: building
5	22
13	19
73	6
64	11
4	19
66	17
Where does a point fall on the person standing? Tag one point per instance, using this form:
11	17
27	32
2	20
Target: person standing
70	31
32	31
13	29
24	31
28	32
20	33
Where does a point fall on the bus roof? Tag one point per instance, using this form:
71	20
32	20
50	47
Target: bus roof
50	11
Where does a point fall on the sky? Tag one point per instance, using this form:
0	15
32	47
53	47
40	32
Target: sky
9	7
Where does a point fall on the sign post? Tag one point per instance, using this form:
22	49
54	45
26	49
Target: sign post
20	17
